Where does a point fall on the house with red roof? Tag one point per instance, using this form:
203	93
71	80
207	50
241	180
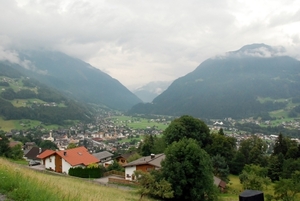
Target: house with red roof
62	161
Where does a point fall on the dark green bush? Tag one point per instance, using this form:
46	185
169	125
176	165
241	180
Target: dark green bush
90	172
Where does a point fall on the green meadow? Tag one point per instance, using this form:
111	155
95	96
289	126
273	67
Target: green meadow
8	125
138	123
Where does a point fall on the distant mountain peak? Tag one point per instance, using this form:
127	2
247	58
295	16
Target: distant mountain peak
258	50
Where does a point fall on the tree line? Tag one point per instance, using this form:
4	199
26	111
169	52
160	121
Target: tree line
194	156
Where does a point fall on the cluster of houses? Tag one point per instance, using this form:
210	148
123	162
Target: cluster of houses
61	161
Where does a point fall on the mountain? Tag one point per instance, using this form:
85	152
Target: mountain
22	97
253	80
151	90
76	79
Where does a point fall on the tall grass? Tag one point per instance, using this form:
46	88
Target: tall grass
21	183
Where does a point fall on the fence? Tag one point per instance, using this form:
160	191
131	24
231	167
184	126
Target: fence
121	181
114	172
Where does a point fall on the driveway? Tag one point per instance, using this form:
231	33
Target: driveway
37	167
104	180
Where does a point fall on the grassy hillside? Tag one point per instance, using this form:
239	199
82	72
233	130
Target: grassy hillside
22	97
22	183
20	124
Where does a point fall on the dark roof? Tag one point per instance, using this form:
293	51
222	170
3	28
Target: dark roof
103	155
154	160
33	152
14	143
126	155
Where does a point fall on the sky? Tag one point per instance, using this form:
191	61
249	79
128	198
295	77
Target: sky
138	42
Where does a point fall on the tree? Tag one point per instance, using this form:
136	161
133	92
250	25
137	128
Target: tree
16	152
289	167
47	144
147	145
253	150
149	185
4	146
220	167
275	166
281	145
237	164
159	145
254	177
71	146
286	146
189	127
115	166
221	132
287	189
133	157
222	145
189	170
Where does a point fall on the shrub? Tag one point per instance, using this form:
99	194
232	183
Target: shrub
90	172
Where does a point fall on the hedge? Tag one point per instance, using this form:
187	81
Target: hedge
90	172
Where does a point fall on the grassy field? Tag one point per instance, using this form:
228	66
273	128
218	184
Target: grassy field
8	125
138	123
235	189
25	102
21	183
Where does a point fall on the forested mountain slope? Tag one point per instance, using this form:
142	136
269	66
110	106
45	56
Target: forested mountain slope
22	97
251	81
76	79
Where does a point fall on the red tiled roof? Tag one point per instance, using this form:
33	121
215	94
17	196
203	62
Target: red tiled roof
46	154
79	155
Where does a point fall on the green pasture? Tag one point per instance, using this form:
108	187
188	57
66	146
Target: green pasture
138	123
265	99
26	102
8	125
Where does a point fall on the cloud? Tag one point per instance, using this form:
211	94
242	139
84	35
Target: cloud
141	41
12	56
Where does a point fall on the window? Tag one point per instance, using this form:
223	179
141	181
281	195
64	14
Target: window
149	169
50	160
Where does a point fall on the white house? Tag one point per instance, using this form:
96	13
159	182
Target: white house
144	164
62	161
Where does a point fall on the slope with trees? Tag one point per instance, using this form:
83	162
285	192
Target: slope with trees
231	86
39	97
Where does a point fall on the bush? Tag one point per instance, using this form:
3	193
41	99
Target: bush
90	172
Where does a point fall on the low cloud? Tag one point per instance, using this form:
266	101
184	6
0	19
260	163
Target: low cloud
12	56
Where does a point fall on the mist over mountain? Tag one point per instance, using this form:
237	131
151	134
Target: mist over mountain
76	79
151	90
236	84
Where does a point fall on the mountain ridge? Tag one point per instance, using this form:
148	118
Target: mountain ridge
77	79
229	86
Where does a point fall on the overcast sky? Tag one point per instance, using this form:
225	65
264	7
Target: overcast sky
139	41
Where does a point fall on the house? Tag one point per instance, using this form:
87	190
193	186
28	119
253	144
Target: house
14	143
105	158
144	164
32	154
220	183
153	162
62	161
29	145
122	159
